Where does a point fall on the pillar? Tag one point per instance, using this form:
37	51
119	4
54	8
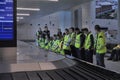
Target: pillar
119	21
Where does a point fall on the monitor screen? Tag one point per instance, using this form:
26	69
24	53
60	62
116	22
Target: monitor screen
6	19
7	22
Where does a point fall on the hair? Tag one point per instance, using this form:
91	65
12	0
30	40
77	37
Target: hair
54	35
97	27
77	29
85	29
72	28
63	34
66	30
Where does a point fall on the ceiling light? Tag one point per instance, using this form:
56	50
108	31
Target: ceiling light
29	9
21	14
20	18
52	0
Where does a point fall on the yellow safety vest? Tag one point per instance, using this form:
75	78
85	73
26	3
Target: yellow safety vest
101	43
87	41
72	36
77	41
66	44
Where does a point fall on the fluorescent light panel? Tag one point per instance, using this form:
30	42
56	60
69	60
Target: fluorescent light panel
29	9
20	18
22	14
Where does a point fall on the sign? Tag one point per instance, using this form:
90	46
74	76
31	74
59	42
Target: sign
6	20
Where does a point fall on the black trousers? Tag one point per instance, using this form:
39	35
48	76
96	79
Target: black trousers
89	55
73	51
115	54
80	53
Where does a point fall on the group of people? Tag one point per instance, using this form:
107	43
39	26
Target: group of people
76	43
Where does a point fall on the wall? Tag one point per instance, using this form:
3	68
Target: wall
60	19
88	19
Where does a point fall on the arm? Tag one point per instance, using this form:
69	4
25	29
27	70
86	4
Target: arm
82	39
92	42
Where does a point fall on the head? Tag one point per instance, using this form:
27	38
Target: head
46	28
77	30
97	28
85	31
63	34
71	30
58	37
59	30
55	37
66	31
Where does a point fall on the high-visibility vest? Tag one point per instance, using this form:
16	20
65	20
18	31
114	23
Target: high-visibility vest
87	41
61	51
77	41
72	37
37	33
48	45
66	44
42	43
101	43
55	45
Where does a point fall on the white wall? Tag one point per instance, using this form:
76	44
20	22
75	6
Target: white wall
60	19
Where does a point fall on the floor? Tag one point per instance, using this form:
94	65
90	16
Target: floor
30	58
111	65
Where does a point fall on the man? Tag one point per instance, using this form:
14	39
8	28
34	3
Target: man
38	35
79	44
115	56
89	45
66	44
72	40
59	33
46	32
100	46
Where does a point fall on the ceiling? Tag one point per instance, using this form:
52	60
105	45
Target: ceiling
46	7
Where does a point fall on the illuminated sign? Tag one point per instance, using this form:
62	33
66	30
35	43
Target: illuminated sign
6	20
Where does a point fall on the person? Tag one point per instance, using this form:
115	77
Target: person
115	56
59	33
89	45
72	41
55	46
79	44
38	35
100	46
66	44
46	32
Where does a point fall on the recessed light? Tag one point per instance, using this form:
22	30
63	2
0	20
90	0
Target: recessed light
29	9
20	18
22	14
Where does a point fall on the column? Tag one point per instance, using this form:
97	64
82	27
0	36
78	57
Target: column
119	20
